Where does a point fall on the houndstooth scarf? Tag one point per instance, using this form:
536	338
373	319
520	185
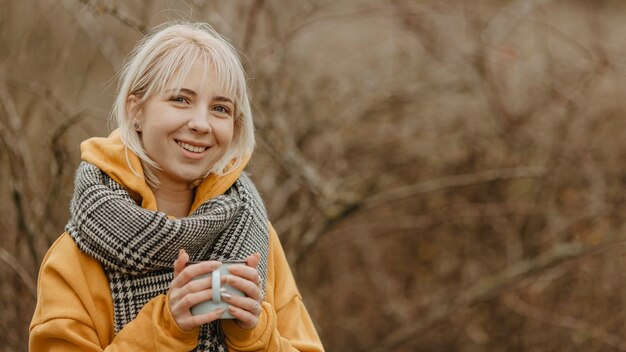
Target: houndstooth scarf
137	247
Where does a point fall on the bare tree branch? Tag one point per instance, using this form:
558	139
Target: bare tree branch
344	206
21	168
251	27
23	274
71	118
99	7
579	326
409	191
88	22
487	288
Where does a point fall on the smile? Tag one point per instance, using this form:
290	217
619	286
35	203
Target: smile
191	148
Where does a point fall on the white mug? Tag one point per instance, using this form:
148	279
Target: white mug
216	299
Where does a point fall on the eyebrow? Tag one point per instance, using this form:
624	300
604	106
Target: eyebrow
184	90
224	99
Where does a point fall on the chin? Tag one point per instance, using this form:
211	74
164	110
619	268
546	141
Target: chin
193	178
188	177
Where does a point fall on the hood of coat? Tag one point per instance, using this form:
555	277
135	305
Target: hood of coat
110	155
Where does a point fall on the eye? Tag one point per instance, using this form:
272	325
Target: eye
179	99
221	109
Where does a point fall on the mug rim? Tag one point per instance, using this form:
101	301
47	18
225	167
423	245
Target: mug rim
232	261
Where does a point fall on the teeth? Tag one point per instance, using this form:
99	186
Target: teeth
191	148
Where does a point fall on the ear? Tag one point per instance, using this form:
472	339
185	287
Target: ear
134	110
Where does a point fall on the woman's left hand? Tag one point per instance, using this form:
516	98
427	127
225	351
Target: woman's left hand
246	279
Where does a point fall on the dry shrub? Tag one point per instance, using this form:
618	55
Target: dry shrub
443	176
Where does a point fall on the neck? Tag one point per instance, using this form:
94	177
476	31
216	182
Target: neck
174	201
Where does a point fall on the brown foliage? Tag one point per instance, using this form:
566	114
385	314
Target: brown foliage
443	176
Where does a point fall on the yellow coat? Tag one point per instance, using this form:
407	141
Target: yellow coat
74	305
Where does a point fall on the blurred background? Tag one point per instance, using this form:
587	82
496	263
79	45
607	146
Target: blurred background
444	175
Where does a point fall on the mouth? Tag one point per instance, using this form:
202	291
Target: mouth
191	148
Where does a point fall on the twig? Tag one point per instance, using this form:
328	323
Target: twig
47	96
253	16
60	159
488	288
20	165
404	192
396	224
90	26
514	303
340	209
354	15
120	15
294	164
13	263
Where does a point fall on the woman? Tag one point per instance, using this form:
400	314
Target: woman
165	188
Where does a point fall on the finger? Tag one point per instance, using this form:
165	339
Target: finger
184	304
245	272
249	288
180	262
195	285
244	319
245	303
189	322
194	270
178	293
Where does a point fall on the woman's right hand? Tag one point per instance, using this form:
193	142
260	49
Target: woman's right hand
185	293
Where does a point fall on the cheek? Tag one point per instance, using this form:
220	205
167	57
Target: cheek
149	135
154	138
226	133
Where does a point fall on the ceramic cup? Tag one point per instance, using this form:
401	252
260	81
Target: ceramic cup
216	299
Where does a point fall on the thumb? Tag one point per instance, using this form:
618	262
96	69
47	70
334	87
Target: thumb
180	262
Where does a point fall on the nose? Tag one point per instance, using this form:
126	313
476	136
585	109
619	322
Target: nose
200	121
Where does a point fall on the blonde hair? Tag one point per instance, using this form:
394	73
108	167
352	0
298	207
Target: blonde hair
166	55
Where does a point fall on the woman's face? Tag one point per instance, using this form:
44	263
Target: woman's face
187	132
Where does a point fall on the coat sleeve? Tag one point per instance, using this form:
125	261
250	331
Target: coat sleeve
74	310
284	323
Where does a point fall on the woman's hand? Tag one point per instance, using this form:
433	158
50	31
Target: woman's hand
185	293
246	279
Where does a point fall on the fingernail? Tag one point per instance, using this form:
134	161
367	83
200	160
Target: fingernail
220	311
223	289
226	296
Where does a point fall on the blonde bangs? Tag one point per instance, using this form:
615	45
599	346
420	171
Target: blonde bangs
170	69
